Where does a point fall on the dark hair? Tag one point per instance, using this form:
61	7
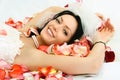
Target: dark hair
79	31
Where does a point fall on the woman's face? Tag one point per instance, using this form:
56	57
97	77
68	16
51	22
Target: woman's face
59	30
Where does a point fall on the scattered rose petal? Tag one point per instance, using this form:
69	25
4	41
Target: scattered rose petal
109	56
3	32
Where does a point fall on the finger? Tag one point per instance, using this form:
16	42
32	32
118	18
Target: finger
109	25
101	27
100	16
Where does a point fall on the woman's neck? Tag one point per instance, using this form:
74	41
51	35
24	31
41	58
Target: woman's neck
41	42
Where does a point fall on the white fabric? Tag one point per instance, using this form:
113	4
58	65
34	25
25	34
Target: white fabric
90	21
45	18
18	9
110	71
10	44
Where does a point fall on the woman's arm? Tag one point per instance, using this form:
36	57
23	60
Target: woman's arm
36	17
69	64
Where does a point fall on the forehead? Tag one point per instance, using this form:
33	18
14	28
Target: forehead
70	22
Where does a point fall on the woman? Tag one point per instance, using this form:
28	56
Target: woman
59	30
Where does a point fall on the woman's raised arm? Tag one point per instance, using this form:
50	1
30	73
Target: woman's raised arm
36	17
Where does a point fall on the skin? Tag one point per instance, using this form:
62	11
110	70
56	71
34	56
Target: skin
60	30
68	64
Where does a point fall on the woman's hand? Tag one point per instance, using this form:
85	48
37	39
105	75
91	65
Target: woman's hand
105	31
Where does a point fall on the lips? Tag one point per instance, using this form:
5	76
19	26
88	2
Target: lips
50	32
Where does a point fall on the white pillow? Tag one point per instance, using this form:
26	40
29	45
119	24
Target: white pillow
89	20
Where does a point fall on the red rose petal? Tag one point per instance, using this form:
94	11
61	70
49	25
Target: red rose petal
66	5
43	48
3	32
2	74
109	56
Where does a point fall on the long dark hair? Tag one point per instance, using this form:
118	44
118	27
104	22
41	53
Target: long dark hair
79	31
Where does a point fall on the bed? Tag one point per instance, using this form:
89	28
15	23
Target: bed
18	9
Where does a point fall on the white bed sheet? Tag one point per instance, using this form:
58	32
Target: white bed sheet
109	71
18	9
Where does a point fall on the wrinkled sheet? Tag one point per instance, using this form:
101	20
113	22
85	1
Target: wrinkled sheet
18	9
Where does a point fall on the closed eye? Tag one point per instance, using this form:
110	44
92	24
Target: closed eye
65	32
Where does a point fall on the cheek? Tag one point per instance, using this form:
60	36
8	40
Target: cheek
62	38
